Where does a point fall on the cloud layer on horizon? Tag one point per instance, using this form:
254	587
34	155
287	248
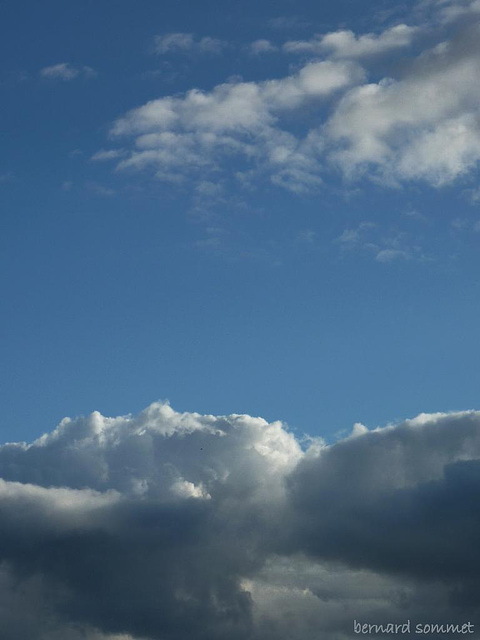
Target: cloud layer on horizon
174	525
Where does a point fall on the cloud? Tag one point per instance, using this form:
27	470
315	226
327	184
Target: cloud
402	495
345	44
424	126
384	245
100	189
110	154
260	47
145	525
328	118
179	525
66	72
178	137
186	43
390	255
237	106
450	11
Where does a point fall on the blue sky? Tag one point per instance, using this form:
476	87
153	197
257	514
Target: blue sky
263	208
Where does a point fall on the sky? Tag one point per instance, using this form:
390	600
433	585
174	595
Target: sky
247	207
239	271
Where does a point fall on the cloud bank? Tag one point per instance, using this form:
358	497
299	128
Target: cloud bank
173	525
395	106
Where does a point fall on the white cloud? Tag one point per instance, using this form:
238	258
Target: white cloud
345	44
187	43
66	72
177	136
390	255
420	125
450	11
382	244
236	106
110	154
262	46
424	126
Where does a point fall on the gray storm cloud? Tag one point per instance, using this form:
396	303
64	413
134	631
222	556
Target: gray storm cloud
175	525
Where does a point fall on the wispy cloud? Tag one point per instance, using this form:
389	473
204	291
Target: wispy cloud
449	11
187	43
261	47
383	245
66	72
106	155
100	189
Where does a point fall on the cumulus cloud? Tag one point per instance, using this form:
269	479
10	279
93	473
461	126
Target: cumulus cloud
187	43
423	126
181	136
403	495
345	44
172	525
66	72
146	525
419	123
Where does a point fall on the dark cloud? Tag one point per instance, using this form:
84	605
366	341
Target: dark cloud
173	526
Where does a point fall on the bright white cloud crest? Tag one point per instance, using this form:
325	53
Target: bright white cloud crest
345	44
170	524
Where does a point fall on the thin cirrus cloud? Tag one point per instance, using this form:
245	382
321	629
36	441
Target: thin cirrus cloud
65	72
179	525
417	125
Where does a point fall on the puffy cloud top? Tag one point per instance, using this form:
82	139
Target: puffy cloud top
173	525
